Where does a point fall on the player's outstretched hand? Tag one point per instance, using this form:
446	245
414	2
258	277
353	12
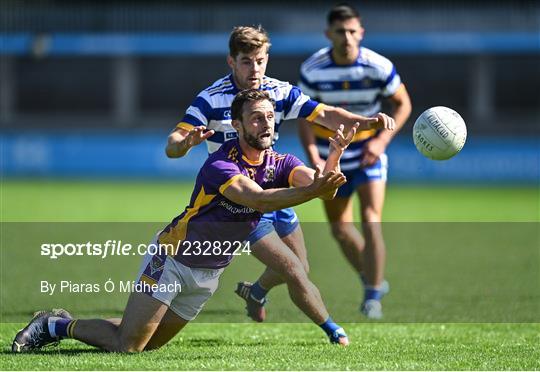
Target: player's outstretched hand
339	142
326	184
196	136
382	121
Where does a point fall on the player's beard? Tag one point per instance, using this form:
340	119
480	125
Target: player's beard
258	143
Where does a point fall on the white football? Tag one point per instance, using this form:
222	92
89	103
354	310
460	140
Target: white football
439	133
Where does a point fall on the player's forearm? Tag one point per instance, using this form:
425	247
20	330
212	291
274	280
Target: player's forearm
307	138
332	164
401	110
331	117
331	195
276	199
176	146
401	113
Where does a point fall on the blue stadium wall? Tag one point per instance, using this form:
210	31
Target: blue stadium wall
483	160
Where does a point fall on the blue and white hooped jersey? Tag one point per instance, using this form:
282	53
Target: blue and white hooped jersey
212	108
358	88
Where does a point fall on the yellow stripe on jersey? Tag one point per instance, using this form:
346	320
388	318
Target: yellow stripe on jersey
185	126
224	187
224	84
148	280
179	232
293	171
324	133
316	112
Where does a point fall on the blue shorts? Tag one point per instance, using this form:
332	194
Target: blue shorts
283	222
359	176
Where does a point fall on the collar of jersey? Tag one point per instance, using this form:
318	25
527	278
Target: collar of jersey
251	162
244	158
234	87
357	62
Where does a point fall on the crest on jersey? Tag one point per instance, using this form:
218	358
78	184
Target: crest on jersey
156	265
366	82
269	173
346	85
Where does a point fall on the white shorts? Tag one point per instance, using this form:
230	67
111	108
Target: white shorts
186	289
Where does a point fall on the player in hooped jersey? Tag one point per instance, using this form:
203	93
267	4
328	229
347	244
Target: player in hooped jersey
238	183
208	119
358	79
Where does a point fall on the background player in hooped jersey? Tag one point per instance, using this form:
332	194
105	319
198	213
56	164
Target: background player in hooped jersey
208	119
357	79
237	183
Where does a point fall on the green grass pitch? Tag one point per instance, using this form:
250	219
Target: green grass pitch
463	263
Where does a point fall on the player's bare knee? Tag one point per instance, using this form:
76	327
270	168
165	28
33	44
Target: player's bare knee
305	264
151	347
128	345
132	350
296	275
129	348
371	215
341	233
114	347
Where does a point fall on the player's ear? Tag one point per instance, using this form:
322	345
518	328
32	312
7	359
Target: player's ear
327	33
362	30
236	125
230	61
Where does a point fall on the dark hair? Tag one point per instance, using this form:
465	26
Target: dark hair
248	95
247	39
342	12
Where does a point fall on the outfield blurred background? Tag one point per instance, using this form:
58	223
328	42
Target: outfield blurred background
91	89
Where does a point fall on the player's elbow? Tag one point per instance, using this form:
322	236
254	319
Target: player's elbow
173	150
405	107
408	108
171	153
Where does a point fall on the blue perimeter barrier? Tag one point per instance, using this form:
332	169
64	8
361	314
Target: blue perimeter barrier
105	155
189	43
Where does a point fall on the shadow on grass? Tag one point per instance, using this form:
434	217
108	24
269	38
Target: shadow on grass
26	316
202	342
54	351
